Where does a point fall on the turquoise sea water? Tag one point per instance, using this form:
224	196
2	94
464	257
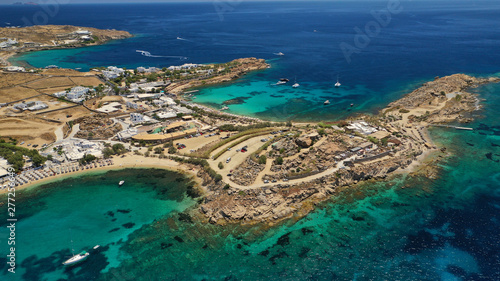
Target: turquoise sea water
89	210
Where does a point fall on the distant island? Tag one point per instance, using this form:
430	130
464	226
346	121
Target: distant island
14	40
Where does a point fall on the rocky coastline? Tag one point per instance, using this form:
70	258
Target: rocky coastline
437	102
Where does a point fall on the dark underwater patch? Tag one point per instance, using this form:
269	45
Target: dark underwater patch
303	252
264	253
110	213
284	240
306	230
279	255
114	229
423	240
166	245
489	156
124	211
128	225
178	239
185	218
238	100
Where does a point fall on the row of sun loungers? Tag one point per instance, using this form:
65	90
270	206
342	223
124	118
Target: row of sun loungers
34	175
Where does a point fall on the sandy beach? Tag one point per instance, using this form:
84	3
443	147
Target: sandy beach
129	161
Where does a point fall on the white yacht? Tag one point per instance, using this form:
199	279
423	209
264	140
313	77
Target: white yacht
296	85
327	102
279	54
76	259
121	183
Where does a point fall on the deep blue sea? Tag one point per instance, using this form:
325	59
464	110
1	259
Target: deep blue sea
406	228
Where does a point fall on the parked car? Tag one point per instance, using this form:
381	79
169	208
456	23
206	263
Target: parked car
266	181
228	160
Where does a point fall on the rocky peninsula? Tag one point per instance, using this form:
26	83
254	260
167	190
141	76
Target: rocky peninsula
309	164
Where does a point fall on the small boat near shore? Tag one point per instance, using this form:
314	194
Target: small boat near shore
121	183
279	54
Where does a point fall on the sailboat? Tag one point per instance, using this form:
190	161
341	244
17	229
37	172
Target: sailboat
338	83
75	258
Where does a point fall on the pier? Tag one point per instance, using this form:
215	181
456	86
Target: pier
454	127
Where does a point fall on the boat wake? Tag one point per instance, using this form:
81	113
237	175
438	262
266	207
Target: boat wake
148	54
180	38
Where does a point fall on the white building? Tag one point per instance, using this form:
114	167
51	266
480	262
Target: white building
15	68
37	105
127	134
109	74
136	118
132	105
9	43
77	94
362	127
113	72
141	69
83	32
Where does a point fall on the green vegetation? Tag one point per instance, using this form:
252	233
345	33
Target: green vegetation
402	110
278	161
199	162
116	149
458	97
262	159
87	158
158	150
373	140
220	165
172	150
14	155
